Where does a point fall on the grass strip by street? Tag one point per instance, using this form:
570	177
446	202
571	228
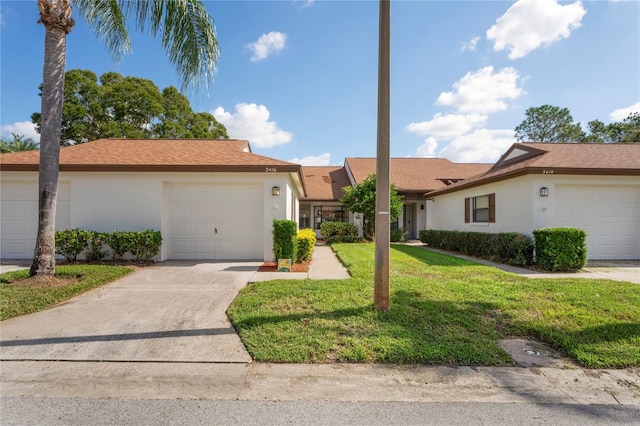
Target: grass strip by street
444	310
21	295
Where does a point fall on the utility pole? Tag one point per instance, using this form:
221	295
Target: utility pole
383	216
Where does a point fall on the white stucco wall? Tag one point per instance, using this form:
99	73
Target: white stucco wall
131	201
513	207
598	204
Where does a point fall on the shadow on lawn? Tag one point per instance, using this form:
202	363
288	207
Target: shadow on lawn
431	258
417	330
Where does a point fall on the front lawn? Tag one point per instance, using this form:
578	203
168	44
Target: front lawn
21	295
444	310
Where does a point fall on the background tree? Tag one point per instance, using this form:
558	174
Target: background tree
18	143
361	198
625	131
548	123
188	37
127	107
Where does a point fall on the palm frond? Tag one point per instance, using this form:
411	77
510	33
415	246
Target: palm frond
188	36
187	32
107	20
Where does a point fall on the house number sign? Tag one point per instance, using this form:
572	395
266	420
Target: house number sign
547	171
271	169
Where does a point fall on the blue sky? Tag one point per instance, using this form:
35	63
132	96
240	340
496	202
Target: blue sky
298	79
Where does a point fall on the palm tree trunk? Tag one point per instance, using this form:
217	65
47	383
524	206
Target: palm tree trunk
57	20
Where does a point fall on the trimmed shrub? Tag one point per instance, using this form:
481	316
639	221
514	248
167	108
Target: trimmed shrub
70	243
95	242
560	249
145	244
284	239
511	248
330	229
343	239
397	235
306	241
119	242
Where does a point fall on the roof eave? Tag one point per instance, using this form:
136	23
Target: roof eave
535	170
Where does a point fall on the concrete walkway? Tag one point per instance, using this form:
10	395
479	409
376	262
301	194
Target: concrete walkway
324	266
609	270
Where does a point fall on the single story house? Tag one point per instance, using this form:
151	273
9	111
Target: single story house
411	176
216	199
211	199
594	187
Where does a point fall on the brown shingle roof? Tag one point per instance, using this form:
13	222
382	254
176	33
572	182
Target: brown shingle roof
417	174
153	155
558	158
324	183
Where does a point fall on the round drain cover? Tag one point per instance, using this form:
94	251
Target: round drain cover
530	352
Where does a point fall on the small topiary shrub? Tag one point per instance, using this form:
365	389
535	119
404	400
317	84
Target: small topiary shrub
560	249
284	239
306	241
70	243
511	248
331	229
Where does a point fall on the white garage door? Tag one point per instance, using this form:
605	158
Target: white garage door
609	214
19	217
215	222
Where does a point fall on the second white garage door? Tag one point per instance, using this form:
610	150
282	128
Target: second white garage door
215	222
609	214
19	217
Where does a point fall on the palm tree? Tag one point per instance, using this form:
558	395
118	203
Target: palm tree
188	36
18	143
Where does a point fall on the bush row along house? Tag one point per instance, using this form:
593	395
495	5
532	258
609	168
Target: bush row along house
216	199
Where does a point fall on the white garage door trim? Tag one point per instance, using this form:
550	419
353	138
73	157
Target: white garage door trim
215	221
609	214
19	216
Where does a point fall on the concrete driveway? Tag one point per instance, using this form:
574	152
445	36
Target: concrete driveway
171	312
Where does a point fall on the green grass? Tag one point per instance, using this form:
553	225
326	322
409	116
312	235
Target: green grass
18	298
444	310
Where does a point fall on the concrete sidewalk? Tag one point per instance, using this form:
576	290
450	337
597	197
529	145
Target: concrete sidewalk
608	270
325	382
324	266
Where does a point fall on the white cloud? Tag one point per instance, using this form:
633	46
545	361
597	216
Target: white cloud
303	3
529	24
266	45
483	91
448	126
471	45
428	148
320	160
24	128
481	146
622	113
251	122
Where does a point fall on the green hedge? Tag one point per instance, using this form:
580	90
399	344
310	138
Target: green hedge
306	240
511	248
143	245
343	239
284	239
332	229
560	249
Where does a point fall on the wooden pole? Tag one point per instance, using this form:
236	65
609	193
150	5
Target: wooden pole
382	231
